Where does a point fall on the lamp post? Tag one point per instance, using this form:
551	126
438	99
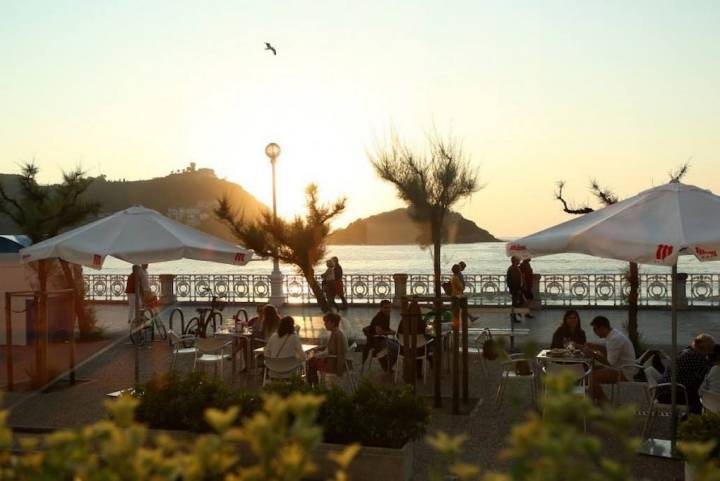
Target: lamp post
277	298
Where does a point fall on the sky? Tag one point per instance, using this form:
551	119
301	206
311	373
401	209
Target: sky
536	92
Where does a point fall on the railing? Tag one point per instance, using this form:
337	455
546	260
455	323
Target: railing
581	290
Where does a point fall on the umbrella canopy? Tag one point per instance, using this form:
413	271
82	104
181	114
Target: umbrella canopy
653	227
139	236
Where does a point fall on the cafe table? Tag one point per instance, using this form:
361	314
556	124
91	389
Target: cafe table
238	335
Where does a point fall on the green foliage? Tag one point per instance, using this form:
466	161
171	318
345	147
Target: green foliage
430	182
175	401
280	439
43	211
300	241
703	428
375	415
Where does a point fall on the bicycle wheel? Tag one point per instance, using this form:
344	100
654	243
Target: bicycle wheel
137	332
159	328
177	316
193	327
213	324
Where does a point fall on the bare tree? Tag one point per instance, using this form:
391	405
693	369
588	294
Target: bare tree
300	241
608	197
430	182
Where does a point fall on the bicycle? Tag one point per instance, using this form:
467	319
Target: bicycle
149	320
208	320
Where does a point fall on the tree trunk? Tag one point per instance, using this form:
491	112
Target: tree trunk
437	355
634	279
317	291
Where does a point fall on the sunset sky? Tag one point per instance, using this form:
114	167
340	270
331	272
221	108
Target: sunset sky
537	91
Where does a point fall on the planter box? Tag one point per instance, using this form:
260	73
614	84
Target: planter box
370	464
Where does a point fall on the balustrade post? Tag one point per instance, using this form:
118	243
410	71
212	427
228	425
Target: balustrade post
400	281
682	301
536	303
167	289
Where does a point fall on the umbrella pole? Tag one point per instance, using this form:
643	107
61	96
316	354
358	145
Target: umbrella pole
673	357
138	293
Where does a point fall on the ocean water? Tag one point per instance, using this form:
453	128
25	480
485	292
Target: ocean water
481	258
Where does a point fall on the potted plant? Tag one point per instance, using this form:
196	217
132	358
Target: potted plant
384	420
701	429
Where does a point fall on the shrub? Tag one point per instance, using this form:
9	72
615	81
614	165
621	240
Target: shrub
702	429
174	401
383	416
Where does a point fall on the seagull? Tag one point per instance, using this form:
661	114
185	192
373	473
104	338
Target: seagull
271	48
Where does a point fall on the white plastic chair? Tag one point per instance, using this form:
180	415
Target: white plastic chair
421	343
657	407
374	355
477	348
181	345
511	369
282	368
330	379
212	350
710	401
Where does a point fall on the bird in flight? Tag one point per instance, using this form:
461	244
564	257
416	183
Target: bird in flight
271	48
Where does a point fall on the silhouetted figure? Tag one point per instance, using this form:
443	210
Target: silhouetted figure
271	48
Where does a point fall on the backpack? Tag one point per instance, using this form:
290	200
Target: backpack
489	348
447	287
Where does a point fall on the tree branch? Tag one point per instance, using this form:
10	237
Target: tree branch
566	207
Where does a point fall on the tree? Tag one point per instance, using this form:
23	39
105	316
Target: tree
300	242
42	212
430	182
608	197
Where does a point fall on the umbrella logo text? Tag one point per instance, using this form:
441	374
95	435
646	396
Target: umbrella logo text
663	251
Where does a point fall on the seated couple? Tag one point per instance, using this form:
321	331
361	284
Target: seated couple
382	340
286	343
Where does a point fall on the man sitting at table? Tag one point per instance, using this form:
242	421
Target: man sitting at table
617	353
377	338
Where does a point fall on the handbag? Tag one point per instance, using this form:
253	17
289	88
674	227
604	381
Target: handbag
489	347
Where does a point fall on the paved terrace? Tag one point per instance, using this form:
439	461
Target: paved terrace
108	366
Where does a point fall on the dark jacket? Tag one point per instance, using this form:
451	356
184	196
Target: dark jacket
562	333
513	278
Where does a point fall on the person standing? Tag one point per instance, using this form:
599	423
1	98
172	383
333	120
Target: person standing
461	276
328	283
130	292
339	287
513	280
527	282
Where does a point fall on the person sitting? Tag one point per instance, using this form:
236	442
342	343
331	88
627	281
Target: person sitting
712	380
692	366
569	331
256	321
270	322
331	360
377	338
420	329
617	353
285	342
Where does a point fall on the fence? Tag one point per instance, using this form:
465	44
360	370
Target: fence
580	290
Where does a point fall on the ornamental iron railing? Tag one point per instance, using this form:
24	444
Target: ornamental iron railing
580	290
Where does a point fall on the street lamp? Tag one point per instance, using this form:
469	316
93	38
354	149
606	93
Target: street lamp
272	150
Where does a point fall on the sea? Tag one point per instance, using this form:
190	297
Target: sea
481	258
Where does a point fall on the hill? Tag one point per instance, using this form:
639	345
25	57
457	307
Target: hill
188	197
396	227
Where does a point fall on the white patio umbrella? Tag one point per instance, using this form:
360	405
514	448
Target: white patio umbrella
653	227
139	236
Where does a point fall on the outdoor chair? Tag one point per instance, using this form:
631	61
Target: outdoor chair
330	379
477	348
517	366
212	350
421	343
657	407
374	355
710	401
643	366
282	368
581	372
181	346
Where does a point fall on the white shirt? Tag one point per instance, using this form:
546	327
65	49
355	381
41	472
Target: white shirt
286	346
712	380
620	351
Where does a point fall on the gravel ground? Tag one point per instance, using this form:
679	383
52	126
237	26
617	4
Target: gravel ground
486	427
